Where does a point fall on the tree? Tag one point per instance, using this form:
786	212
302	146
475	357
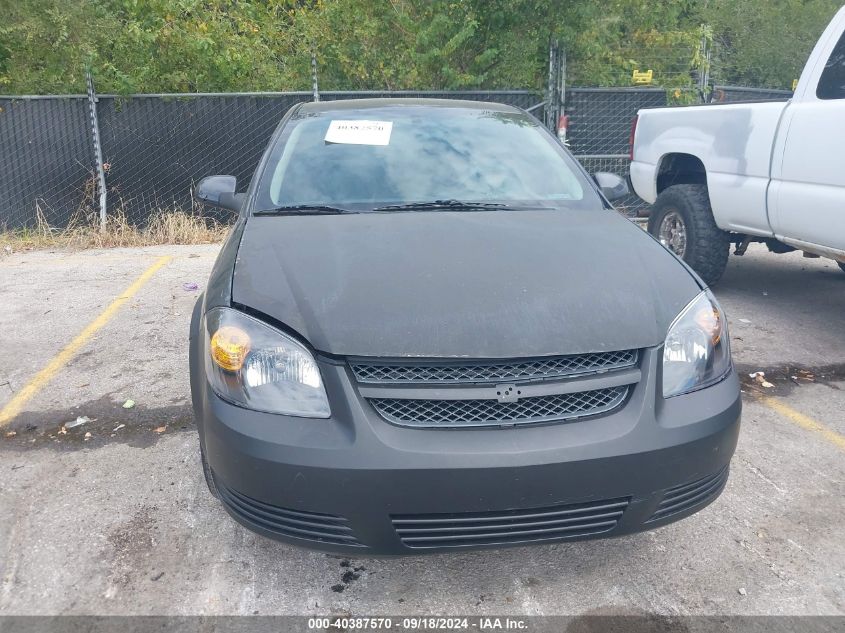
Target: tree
149	45
244	45
765	44
438	44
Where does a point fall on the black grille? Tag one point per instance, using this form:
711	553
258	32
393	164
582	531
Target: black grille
450	413
509	526
311	526
482	372
691	495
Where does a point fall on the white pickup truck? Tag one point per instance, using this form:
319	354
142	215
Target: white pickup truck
770	172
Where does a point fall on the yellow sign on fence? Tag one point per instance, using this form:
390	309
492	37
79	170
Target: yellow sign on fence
642	76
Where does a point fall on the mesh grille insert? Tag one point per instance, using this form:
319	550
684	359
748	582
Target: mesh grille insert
452	413
509	526
504	371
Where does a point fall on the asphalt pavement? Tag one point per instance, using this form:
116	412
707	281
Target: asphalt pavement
113	516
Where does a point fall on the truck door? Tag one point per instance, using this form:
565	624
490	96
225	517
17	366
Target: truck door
807	192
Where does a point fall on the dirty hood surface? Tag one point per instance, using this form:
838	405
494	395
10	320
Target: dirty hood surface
492	284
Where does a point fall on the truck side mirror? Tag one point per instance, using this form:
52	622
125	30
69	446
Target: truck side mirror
613	186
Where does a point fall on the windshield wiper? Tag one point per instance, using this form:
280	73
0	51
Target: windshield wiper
304	209
459	205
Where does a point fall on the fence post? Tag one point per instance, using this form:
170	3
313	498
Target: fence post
553	88
98	149
562	81
314	76
704	65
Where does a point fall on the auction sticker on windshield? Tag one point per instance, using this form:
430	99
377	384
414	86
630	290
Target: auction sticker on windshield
359	132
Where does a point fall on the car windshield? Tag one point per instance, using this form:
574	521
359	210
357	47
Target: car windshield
397	156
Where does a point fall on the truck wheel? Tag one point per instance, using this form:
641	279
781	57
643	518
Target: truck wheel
682	220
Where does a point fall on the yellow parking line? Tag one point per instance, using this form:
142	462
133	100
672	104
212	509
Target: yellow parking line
805	422
14	406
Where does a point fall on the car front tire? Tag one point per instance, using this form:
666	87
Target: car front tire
682	220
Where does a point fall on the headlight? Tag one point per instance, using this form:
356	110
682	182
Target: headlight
696	352
256	366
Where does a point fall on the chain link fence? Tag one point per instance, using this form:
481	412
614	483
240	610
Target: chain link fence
599	127
47	166
736	58
155	148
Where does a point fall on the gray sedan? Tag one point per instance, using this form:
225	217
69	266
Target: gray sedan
429	330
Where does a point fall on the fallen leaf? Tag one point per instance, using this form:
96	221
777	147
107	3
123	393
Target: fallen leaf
128	404
88	436
63	431
11	434
160	429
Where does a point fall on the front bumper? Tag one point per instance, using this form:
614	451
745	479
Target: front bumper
355	484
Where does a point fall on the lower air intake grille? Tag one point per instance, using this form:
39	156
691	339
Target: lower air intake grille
490	371
453	413
510	526
691	495
310	526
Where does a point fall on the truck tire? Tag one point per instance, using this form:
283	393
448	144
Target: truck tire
682	220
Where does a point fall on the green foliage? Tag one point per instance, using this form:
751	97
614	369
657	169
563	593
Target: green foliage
765	45
149	45
42	46
407	44
245	45
627	35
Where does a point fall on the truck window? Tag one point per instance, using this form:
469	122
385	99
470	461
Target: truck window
832	82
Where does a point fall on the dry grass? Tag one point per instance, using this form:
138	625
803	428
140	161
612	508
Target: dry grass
164	227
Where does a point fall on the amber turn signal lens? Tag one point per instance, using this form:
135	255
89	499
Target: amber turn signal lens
229	347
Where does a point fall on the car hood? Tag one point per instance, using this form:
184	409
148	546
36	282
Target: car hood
491	284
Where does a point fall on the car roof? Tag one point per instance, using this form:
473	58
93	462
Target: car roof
364	104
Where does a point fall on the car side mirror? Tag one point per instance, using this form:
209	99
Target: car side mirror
613	186
219	191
